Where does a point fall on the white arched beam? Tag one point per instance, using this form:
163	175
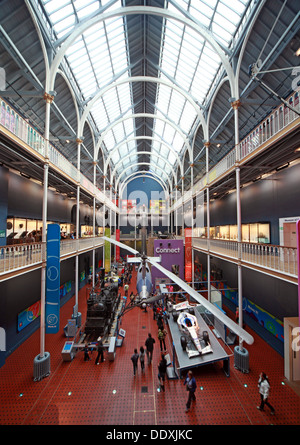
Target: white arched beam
142	153
149	79
150	138
123	11
137	164
143	174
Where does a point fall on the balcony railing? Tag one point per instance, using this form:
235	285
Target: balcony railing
19	127
279	259
18	257
275	122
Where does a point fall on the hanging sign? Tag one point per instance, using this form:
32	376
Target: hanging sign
298	261
107	251
188	254
52	279
117	247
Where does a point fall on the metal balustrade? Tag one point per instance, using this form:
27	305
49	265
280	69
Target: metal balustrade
280	259
17	125
18	257
275	122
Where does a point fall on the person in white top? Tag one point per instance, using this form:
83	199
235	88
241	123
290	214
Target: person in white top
264	391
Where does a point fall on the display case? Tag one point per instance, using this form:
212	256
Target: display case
251	233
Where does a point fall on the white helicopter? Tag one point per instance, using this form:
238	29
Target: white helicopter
154	261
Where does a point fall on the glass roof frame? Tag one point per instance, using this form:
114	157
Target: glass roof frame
175	63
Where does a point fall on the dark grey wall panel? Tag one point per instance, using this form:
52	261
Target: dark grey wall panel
266	200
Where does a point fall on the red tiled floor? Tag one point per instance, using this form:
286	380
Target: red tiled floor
81	393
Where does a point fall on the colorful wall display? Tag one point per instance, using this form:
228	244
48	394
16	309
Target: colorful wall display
29	315
65	288
256	313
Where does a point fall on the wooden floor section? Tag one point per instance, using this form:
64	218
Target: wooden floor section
81	393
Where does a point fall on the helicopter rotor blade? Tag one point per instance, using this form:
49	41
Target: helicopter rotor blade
124	246
234	327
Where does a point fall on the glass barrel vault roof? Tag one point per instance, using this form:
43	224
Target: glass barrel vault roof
101	55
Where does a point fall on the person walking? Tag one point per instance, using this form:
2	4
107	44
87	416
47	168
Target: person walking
149	343
134	359
86	352
162	369
191	386
100	349
142	358
264	391
161	337
126	287
160	322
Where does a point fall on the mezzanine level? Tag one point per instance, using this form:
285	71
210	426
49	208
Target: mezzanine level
277	261
21	258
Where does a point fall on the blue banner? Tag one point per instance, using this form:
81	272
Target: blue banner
52	279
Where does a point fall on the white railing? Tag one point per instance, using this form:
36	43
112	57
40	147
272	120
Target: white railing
279	259
19	126
20	256
276	121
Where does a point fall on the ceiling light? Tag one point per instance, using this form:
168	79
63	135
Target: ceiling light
297	149
297	53
282	166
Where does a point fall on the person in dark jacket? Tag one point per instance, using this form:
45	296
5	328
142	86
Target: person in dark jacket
134	359
190	381
86	352
149	343
100	349
162	369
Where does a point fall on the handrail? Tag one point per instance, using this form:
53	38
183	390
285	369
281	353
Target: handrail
276	121
280	259
20	127
17	257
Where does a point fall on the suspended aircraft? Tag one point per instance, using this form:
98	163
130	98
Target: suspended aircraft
143	278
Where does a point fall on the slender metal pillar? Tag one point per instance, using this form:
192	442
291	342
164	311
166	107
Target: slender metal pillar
79	142
48	99
207	144
94	222
235	105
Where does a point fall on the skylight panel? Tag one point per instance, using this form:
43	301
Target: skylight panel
53	5
110	140
124	97
87	10
94	33
168	134
201	11
188	116
229	13
61	14
224	23
77	46
220	32
177	142
115	157
171	158
63	26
